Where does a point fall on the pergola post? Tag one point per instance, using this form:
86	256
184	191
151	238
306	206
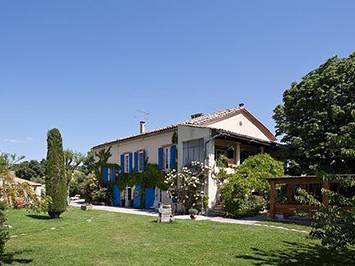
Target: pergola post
272	198
289	193
237	155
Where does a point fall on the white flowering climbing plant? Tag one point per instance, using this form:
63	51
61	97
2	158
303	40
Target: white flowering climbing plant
188	184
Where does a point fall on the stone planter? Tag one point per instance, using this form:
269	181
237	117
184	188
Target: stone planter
165	214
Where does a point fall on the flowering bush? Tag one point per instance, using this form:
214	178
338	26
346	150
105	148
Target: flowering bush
187	185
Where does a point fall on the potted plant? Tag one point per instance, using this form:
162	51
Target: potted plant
86	207
193	212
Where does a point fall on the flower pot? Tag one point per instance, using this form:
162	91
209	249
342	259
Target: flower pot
86	207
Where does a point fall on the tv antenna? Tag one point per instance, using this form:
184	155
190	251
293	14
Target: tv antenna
144	113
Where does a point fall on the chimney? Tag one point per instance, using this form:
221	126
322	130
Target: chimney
241	105
196	115
141	127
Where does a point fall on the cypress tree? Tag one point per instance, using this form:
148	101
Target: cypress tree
56	183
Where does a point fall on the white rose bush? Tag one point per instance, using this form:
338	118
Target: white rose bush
187	185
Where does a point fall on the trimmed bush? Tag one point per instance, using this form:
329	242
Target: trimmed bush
4	236
56	182
245	192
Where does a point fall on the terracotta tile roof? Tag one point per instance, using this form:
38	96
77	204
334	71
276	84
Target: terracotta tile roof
201	121
207	119
17	180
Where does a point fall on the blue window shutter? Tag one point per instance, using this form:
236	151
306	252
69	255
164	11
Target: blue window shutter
105	174
160	158
114	174
130	162
172	156
122	164
136	162
143	161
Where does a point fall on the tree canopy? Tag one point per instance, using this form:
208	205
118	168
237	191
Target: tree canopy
317	119
30	170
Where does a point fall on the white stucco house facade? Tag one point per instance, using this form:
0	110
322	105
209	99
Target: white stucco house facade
234	132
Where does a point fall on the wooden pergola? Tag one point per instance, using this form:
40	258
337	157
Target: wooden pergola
291	206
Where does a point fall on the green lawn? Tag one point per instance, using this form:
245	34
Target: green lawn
103	238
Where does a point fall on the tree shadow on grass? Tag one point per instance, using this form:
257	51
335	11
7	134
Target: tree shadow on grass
10	258
300	254
39	216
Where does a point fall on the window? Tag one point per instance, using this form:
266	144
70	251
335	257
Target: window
140	161
166	157
126	163
193	151
108	173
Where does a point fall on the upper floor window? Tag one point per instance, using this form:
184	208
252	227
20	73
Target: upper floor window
140	161
126	163
109	174
166	157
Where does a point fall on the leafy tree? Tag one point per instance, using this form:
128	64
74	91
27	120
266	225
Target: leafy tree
72	162
30	170
333	224
77	181
91	190
56	182
317	119
245	192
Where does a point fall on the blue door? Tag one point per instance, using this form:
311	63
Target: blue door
137	196
149	198
116	196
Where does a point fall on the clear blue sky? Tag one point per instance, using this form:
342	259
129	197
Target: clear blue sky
86	67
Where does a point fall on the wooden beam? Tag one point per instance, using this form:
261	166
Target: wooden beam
272	199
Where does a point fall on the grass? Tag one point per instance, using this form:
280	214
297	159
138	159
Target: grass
103	238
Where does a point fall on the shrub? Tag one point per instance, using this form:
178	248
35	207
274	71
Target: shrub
187	185
4	235
245	192
56	182
193	211
333	224
91	190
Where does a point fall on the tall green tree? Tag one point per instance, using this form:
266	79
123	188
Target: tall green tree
317	119
56	181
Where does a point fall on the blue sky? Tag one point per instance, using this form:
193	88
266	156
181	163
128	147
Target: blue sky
86	67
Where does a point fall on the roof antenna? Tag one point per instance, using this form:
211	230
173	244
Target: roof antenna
144	113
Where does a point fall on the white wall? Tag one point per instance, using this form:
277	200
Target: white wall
246	127
187	133
150	144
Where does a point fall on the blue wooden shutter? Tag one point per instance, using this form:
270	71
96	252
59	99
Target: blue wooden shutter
105	174
136	162
143	160
114	174
130	162
172	156
122	164
160	158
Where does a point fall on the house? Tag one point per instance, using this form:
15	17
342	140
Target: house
37	188
234	133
